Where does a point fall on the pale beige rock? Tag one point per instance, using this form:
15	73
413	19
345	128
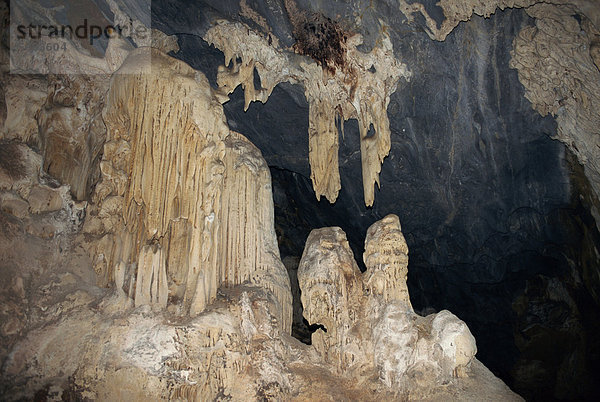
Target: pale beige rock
44	199
360	90
116	353
331	295
173	175
369	322
151	280
386	258
14	205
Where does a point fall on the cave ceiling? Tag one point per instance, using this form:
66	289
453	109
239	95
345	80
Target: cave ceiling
492	164
487	197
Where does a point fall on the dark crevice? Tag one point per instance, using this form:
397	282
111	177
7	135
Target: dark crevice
370	132
314	327
257	83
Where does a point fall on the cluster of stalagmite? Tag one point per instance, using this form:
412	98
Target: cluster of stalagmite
367	319
183	208
184	205
360	89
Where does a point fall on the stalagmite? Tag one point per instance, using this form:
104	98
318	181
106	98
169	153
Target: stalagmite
386	258
360	89
185	204
368	320
331	287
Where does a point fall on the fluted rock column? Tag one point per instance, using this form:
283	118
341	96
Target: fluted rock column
186	203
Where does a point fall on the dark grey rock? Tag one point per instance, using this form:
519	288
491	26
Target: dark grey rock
495	212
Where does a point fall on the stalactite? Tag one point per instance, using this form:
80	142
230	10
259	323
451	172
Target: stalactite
361	90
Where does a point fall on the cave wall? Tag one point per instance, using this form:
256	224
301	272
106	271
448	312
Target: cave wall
489	202
497	215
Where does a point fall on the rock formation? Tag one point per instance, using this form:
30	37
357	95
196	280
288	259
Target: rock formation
194	302
360	88
63	337
184	205
558	63
386	259
137	244
367	320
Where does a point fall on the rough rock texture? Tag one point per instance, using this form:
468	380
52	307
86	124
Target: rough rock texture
64	337
559	67
71	130
367	321
59	114
359	88
490	205
36	218
497	215
54	99
386	259
184	205
235	349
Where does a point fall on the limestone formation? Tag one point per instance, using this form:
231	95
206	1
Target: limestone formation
24	97
184	203
27	193
368	322
54	99
71	130
60	115
61	335
360	89
556	64
331	293
386	258
457	11
167	283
